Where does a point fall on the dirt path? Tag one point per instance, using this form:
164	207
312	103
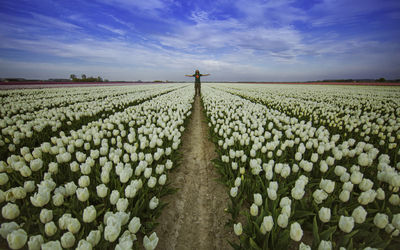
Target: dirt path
195	217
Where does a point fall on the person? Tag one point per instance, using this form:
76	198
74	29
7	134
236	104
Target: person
197	82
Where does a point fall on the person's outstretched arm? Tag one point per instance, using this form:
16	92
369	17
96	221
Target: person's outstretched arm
189	75
204	74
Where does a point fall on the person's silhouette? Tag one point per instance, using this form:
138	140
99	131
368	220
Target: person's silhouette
197	82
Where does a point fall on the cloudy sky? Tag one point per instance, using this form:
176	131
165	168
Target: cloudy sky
242	40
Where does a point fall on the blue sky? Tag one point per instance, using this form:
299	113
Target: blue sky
243	40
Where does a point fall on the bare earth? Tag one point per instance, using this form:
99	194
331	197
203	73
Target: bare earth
195	217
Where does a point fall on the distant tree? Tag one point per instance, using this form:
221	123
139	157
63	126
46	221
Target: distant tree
83	77
73	77
99	79
381	79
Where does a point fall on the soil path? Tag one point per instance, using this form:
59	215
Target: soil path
195	217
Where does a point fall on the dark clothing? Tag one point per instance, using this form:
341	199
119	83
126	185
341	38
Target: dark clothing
197	88
197	83
197	77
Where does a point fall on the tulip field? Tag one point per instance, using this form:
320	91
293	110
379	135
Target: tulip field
305	167
308	167
86	167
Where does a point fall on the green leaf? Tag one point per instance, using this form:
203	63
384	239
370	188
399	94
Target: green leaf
283	240
350	245
381	244
326	235
315	233
302	213
254	245
348	237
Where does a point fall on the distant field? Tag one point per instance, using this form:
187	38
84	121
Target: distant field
335	83
34	85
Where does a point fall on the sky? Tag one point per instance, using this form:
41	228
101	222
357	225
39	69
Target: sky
242	40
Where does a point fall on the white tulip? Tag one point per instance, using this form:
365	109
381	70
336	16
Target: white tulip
74	166
381	220
102	190
162	179
84	245
303	246
46	215
325	245
3	178
319	196
10	211
105	177
324	214
367	197
234	191
283	220
152	182
356	177
258	199
363	160
273	185
348	186
296	233
17	239
70	188
89	214
237	228
94	237
254	210
58	199
36	164
359	214
84	181
268	223
346	223
122	204
134	225
114	197
238	181
327	185
147	172
52	245
153	203
29	186
285	201
394	199
50	228
272	195
366	184
67	240
339	170
82	194
323	167
63	221
73	225
297	193
35	242
150	243
396	221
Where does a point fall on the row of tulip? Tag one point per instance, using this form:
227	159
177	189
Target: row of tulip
14	101
99	186
288	179
29	129
371	113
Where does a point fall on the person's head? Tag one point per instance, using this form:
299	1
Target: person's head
197	71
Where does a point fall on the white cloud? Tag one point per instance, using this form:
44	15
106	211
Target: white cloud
330	12
111	29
